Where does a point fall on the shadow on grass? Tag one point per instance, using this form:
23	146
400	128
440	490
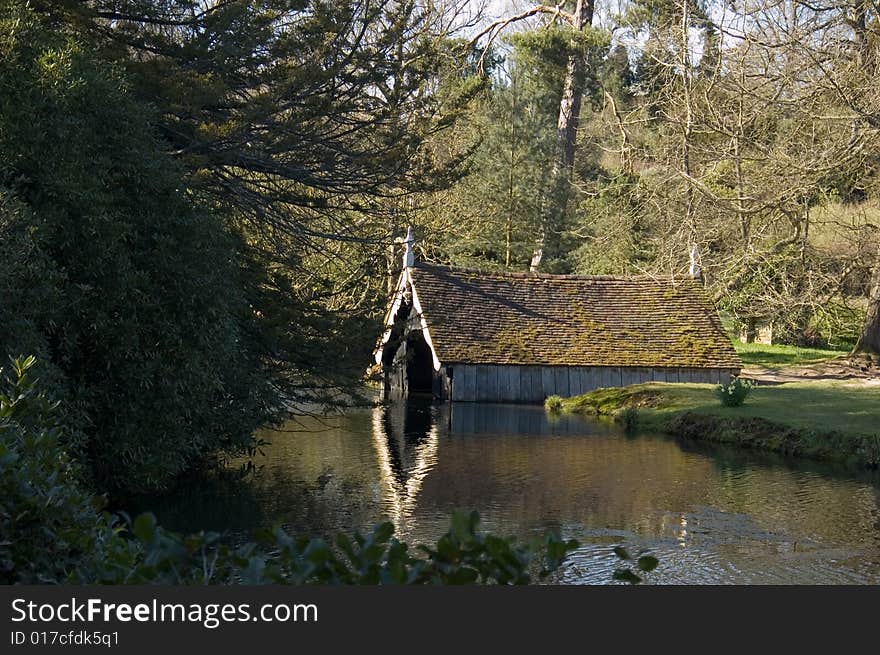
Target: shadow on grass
780	356
777	359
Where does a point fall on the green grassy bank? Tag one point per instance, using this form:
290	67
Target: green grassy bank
833	421
779	356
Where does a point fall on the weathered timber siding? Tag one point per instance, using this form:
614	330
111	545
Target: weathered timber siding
532	384
395	386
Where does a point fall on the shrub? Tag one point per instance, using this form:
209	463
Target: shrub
138	300
735	392
553	404
49	525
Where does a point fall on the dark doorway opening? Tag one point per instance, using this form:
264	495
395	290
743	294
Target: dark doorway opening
420	365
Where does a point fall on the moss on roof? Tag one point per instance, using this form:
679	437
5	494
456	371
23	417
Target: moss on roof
565	320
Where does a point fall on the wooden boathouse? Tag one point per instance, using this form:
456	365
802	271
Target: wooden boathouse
466	335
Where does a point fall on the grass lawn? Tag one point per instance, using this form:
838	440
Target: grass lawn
826	406
828	420
759	354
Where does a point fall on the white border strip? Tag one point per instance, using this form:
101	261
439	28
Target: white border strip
406	278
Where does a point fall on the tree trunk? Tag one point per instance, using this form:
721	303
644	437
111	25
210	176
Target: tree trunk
869	341
687	127
508	226
566	136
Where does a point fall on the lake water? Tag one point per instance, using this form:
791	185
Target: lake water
710	515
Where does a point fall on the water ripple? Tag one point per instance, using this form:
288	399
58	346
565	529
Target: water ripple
711	515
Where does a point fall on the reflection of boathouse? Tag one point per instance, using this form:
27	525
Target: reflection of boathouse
519	337
405	437
407	441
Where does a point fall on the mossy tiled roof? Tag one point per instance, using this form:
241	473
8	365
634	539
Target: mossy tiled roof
530	319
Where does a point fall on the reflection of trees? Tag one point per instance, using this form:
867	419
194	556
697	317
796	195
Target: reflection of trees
524	475
645	485
212	502
317	477
595	480
824	500
405	437
314	476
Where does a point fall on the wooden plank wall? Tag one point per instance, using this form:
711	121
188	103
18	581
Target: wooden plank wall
532	384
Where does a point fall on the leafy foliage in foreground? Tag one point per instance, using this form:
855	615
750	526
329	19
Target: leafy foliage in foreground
461	556
644	564
48	524
52	531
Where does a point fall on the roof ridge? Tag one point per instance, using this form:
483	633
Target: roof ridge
528	275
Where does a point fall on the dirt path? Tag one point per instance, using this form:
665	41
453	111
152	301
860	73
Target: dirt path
840	368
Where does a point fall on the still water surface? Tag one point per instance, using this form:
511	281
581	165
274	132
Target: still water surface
711	515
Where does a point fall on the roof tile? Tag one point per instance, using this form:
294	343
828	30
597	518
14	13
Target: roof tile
565	320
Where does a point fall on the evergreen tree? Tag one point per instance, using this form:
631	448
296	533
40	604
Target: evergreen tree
134	294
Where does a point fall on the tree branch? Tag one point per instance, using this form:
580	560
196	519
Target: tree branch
498	26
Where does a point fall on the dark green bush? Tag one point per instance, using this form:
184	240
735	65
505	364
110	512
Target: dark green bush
49	525
136	299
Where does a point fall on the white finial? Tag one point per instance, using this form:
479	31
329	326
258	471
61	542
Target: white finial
408	256
696	273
